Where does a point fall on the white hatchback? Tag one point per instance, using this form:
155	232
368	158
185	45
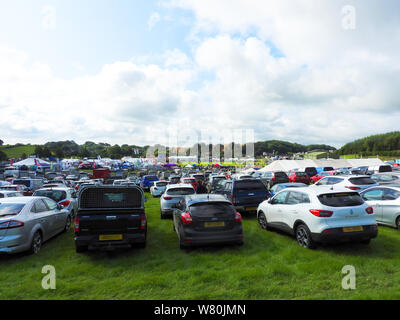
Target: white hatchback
318	215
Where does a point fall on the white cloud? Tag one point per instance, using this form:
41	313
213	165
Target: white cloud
153	20
49	17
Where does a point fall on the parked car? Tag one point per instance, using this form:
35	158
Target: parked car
355	183
206	219
172	195
321	175
158	188
380	169
17	187
315	215
110	217
118	182
27	222
299	176
174	179
311	171
280	186
8	194
238	176
323	169
213	180
66	197
269	178
385	178
189	180
386	203
147	181
31	184
198	176
244	194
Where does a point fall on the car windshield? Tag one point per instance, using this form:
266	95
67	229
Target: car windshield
254	185
7	209
361	181
348	199
180	191
211	209
56	195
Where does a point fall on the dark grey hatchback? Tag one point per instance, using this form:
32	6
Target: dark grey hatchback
207	219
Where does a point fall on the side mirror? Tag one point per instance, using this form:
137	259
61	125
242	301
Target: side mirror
60	206
270	201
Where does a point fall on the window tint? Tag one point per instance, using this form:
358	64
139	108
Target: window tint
385	169
390	194
332	180
322	182
161	184
280	198
211	209
52	205
10	208
26	183
180	191
56	195
297	197
246	186
359	181
348	199
376	194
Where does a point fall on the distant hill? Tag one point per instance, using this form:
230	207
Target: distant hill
379	144
285	147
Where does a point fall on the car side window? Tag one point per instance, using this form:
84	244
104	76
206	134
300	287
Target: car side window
390	194
333	180
371	195
51	204
39	206
294	198
322	182
280	198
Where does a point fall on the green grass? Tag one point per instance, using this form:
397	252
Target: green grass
17	151
270	265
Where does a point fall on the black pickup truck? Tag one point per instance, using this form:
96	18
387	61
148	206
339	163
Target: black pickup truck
110	217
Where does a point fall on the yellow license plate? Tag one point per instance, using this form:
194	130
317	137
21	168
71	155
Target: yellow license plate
214	224
251	209
353	229
110	237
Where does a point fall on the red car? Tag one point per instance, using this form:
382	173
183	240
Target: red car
299	176
322	174
191	181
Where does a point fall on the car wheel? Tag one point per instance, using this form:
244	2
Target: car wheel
398	223
262	221
80	249
67	224
36	244
303	237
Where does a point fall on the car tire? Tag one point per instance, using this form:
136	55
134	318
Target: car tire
68	224
80	249
398	223
36	244
262	221
162	216
303	237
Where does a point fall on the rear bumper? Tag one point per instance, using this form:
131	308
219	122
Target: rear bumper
13	244
193	238
93	242
337	235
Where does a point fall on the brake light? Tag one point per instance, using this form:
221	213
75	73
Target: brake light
76	224
321	213
370	210
353	188
65	203
143	222
238	217
167	198
186	218
11	224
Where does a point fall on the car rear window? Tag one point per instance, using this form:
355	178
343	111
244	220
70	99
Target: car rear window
385	169
210	209
26	183
107	198
360	181
162	184
280	174
348	199
7	209
180	191
189	180
56	195
253	185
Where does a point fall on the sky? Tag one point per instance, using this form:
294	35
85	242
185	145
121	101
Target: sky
136	72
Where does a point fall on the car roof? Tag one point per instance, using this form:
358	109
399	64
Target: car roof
315	190
177	186
199	198
392	186
55	188
23	200
291	184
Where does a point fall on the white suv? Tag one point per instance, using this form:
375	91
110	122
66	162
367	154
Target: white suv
355	183
318	215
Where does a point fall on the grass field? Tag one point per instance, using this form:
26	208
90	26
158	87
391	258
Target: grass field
17	151
269	265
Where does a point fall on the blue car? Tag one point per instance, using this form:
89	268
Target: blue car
147	181
280	186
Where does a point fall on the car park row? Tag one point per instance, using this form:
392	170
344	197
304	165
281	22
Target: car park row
206	207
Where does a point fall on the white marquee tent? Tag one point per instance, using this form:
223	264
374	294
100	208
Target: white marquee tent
30	162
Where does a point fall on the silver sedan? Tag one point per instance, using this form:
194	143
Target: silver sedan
27	222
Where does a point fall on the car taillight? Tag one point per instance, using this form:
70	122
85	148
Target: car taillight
370	210
186	218
65	203
238	217
143	222
76	224
321	213
11	224
353	188
167	198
